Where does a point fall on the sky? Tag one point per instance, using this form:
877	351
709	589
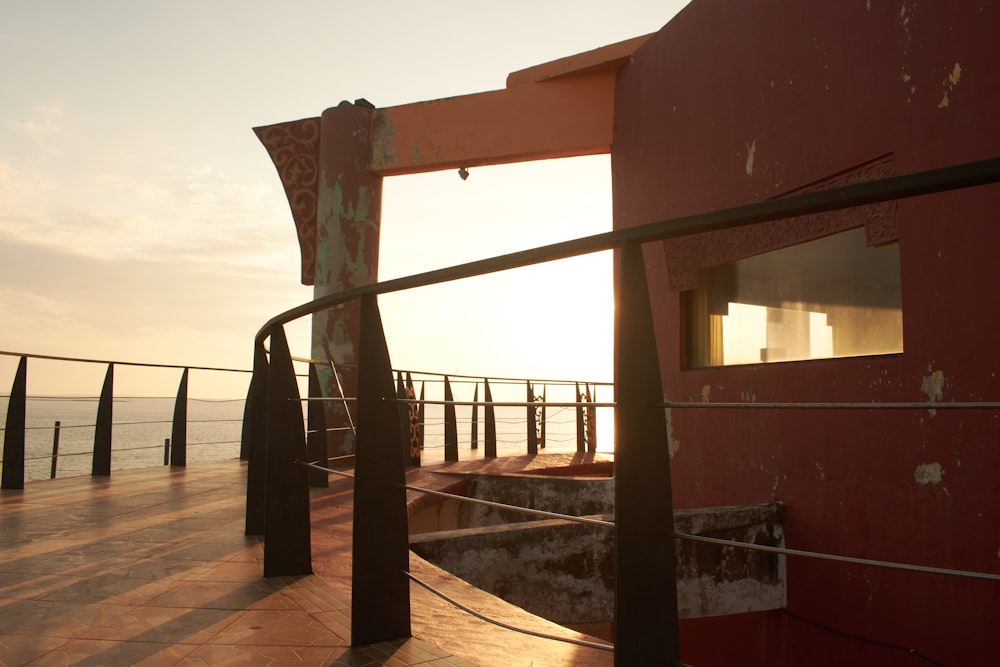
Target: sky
141	220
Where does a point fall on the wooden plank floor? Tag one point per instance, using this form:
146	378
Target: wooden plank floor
151	567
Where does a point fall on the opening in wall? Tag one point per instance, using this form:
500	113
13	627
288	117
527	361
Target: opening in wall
832	297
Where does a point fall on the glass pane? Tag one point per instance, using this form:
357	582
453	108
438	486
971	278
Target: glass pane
833	297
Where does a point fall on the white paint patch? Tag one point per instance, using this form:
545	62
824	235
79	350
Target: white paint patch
751	150
928	473
706	392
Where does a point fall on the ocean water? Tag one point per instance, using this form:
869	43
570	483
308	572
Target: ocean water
140	426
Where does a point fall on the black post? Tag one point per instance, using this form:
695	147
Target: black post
474	437
541	428
420	416
591	419
490	418
287	537
646	619
530	418
380	596
166	451
403	410
55	448
316	440
12	476
178	431
255	441
101	466
450	424
581	438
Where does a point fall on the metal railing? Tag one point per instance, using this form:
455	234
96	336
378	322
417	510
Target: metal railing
646	616
16	454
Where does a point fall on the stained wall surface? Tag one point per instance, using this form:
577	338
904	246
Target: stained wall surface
732	103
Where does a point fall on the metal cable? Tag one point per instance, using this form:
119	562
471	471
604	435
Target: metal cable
841	559
507	626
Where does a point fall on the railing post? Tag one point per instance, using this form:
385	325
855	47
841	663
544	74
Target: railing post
542	413
254	442
530	417
450	424
178	430
101	465
287	536
380	596
490	422
316	440
55	448
474	435
591	419
12	476
646	618
166	451
421	410
581	438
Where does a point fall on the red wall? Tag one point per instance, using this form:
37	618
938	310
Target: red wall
817	88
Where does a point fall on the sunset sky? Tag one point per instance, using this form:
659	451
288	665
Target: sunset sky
140	219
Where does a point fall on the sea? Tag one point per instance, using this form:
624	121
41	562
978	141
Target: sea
141	428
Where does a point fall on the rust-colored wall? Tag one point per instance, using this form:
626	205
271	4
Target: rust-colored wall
735	102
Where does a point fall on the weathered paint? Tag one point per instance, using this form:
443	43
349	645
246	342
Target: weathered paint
564	571
348	208
868	80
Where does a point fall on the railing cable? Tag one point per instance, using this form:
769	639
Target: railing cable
841	559
507	626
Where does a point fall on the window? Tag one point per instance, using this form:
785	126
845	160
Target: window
832	297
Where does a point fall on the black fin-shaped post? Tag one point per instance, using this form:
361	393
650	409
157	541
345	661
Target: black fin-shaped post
532	427
450	424
380	588
403	413
101	465
474	435
646	618
255	441
591	419
13	437
178	429
287	537
581	438
420	416
490	422
541	439
316	447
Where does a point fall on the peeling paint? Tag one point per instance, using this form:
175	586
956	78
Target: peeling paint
706	392
928	473
751	150
672	443
949	85
933	386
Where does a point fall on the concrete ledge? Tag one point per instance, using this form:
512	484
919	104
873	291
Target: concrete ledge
563	571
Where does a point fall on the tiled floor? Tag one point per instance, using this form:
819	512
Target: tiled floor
151	567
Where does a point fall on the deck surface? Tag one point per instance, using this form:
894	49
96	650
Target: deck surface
151	567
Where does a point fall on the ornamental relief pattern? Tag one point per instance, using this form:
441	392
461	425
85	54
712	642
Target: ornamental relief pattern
294	150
